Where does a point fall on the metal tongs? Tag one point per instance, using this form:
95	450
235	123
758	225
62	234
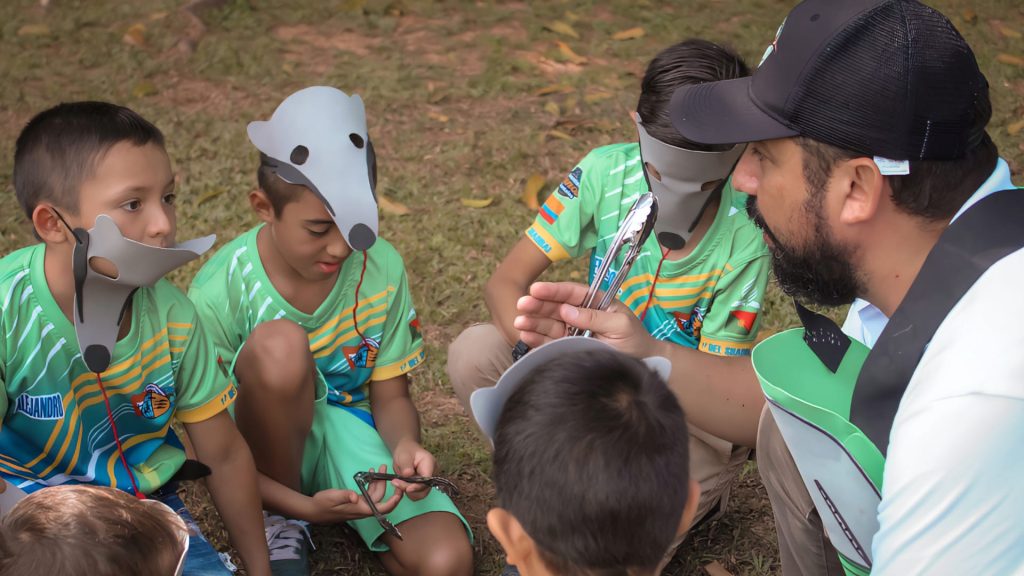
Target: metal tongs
635	228
364	479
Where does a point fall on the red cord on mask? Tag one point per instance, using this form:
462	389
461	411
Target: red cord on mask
650	295
117	439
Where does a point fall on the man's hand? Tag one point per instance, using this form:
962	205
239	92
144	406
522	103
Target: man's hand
551	306
332	505
411	459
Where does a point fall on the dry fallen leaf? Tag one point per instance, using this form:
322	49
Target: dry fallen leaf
533	186
1010	59
135	35
437	116
210	196
558	134
629	34
157	16
391	206
1003	29
1015	128
1000	28
476	202
571	16
552	108
568	53
553	89
559	27
969	15
144	88
34	30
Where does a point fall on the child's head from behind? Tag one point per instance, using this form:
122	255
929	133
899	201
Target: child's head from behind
83	159
692	61
91	530
591	468
301	230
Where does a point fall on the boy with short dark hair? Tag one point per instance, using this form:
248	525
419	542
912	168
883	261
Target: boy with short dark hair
96	357
590	474
313	313
56	531
697	283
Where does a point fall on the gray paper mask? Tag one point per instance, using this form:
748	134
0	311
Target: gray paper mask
680	199
317	138
100	301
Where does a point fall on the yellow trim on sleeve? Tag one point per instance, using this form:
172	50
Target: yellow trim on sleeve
210	409
725	347
546	243
399	368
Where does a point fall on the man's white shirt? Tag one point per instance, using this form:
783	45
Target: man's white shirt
953	487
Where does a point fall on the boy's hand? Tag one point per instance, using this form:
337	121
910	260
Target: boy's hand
551	306
411	459
332	505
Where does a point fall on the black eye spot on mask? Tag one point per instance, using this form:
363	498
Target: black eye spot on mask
357	140
299	155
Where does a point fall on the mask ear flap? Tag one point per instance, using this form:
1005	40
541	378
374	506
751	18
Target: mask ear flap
371	167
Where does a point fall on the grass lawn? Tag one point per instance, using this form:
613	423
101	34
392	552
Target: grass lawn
465	100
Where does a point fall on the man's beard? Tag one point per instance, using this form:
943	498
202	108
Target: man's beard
821	273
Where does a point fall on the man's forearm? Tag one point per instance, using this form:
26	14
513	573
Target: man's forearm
720	395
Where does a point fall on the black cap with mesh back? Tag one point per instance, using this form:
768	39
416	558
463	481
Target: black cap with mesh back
890	78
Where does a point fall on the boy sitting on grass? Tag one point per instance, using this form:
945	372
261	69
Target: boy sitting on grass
313	313
591	478
96	175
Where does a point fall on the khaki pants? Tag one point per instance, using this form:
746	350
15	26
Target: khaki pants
803	546
478	357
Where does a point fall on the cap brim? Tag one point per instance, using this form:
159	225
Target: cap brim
487	403
723	113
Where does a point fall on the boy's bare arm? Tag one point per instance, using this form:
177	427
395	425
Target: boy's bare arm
329	506
510	281
398	423
232	484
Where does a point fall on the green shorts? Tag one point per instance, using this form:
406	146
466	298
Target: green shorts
339	445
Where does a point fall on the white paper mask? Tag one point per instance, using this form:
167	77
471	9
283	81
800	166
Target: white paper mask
683	172
317	138
100	301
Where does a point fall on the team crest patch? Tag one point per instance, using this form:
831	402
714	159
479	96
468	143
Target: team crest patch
152	403
364	355
570	187
48	407
691	323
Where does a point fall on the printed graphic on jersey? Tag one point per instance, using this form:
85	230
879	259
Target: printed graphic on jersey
152	403
47	407
364	355
570	187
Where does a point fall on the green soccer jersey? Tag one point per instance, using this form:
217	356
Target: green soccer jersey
56	428
710	300
380	340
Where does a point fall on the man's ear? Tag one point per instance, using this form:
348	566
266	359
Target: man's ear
507	530
261	205
863	189
48	226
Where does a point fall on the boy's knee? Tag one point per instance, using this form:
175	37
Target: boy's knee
453	558
476	359
276	354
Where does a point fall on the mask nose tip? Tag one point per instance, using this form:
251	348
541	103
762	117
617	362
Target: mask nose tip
361	237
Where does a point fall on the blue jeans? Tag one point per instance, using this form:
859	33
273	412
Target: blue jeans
202	558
